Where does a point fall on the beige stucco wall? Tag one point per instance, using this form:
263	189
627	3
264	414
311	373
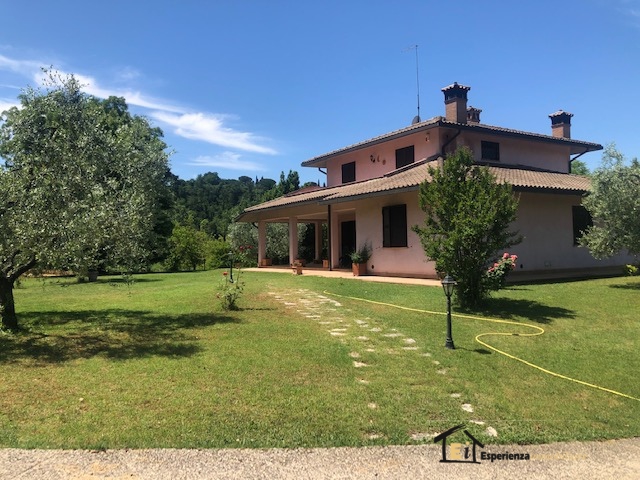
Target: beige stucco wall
544	220
384	155
521	152
405	261
427	143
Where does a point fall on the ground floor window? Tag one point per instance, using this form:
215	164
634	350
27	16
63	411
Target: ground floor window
394	226
581	221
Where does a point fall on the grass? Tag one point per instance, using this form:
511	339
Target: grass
160	364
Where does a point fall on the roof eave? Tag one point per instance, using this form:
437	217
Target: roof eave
321	160
360	196
577	146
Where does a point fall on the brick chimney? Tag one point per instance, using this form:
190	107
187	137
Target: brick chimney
455	102
473	115
561	124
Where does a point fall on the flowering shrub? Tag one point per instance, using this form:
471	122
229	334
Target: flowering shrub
496	275
229	291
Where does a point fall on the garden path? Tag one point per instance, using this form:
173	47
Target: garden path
368	336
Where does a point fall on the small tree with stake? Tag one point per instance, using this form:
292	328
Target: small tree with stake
468	217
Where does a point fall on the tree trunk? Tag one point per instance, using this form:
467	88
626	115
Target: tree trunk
7	305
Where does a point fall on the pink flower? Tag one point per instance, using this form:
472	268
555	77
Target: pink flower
514	257
505	255
496	265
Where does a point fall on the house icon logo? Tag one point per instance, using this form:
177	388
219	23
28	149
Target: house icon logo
458	452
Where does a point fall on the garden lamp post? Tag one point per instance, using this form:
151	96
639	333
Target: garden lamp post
231	267
448	283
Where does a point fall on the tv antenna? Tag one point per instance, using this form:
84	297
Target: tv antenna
416	119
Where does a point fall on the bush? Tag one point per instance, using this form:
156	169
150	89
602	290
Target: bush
218	253
631	270
230	291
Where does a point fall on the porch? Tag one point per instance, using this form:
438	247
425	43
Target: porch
318	271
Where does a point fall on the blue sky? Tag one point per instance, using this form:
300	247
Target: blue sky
256	87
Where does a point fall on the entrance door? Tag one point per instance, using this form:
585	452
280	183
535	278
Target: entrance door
347	242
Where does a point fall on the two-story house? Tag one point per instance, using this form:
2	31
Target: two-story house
372	193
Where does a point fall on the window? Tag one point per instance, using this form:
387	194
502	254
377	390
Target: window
405	156
581	221
394	226
349	172
491	151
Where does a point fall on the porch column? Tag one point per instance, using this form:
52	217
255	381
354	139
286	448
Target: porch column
335	242
318	227
293	239
262	241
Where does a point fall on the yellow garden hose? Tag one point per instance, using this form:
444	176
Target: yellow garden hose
539	331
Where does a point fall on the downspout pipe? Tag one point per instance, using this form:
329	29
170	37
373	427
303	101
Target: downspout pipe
442	150
576	157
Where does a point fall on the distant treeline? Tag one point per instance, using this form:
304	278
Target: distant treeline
201	211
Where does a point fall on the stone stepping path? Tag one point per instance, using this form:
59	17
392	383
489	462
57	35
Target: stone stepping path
329	312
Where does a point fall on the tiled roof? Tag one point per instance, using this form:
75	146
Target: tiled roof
294	199
411	176
578	145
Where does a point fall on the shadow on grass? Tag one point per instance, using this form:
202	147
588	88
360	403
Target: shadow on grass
627	286
528	309
113	281
116	334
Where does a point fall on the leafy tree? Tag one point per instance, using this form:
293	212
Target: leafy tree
287	184
578	167
188	248
467	222
80	184
614	205
215	200
277	248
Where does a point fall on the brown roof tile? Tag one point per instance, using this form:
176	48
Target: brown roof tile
410	178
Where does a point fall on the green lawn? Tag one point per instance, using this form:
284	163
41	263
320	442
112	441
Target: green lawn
159	364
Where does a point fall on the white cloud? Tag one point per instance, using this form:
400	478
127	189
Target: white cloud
209	128
91	86
202	126
23	67
6	104
226	160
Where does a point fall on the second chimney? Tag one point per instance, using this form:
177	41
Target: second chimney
473	115
561	124
455	101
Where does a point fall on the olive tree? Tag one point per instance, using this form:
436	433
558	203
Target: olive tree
614	205
80	183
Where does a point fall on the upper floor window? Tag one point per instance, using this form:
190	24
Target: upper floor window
349	172
581	221
394	226
405	156
491	151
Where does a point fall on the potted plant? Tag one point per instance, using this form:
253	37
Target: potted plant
297	267
359	259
